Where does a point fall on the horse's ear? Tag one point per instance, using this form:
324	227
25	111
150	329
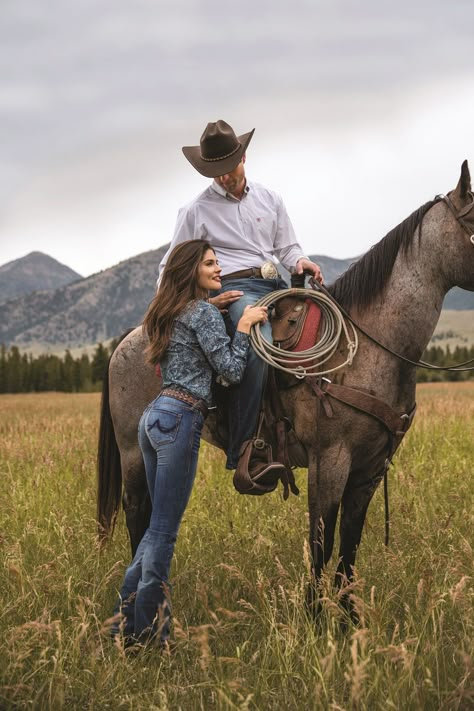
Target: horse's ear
464	185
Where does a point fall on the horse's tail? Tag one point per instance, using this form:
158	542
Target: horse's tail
109	470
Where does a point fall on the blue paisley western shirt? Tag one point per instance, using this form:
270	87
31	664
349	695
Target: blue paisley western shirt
200	348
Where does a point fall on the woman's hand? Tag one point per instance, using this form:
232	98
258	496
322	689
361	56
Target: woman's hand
251	316
223	300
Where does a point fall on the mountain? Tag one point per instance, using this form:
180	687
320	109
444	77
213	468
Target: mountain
459	300
31	273
88	311
330	267
106	304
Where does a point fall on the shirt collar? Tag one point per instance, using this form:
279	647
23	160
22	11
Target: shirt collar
220	190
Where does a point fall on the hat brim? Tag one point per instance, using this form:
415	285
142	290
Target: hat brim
212	169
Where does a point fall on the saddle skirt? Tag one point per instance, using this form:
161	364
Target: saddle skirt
295	323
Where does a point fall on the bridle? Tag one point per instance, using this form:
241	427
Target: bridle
467	223
460	215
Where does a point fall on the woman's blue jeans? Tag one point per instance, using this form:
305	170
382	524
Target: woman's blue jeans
245	398
169	434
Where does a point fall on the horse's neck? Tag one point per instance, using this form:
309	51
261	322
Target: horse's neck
405	316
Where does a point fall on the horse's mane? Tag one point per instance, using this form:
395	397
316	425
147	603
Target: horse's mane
368	277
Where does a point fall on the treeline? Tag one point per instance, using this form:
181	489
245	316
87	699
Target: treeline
21	373
445	357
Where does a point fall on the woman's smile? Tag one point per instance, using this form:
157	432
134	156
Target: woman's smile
209	272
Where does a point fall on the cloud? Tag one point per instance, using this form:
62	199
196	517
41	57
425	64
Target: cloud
349	100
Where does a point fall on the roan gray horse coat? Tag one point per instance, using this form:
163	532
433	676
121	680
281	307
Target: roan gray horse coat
395	292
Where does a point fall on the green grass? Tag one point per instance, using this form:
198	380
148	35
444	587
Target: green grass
243	639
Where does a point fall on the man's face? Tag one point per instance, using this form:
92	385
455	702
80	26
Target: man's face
234	182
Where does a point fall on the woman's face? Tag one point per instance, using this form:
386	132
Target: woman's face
208	276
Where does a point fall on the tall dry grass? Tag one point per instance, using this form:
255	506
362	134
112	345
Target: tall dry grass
243	640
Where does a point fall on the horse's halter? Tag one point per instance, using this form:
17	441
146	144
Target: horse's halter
467	223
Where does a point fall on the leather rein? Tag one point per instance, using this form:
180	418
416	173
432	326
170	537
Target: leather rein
469	229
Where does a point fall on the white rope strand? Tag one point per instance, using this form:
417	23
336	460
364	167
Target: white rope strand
308	363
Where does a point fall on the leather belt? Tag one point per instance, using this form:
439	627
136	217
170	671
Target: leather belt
244	274
186	397
255	272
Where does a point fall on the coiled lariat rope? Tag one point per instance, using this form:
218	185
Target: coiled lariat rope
308	363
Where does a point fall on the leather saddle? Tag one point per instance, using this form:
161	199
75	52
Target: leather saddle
295	323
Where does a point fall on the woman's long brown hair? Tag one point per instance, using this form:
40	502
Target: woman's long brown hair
178	286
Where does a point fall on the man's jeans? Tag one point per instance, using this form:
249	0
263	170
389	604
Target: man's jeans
169	434
245	398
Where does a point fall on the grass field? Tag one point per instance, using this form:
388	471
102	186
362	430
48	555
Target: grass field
243	640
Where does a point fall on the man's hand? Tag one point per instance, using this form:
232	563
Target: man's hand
227	297
304	265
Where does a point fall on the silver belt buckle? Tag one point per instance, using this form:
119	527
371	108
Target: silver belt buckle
269	270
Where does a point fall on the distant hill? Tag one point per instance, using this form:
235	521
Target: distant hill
454	328
104	305
31	273
332	268
86	312
459	300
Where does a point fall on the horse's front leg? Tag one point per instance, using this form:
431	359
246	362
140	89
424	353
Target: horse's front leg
327	478
355	501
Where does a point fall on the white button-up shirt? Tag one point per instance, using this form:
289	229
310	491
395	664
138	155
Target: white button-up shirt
245	233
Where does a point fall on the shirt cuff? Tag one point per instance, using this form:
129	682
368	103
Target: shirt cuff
241	340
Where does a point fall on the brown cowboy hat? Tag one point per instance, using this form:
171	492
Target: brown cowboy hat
220	150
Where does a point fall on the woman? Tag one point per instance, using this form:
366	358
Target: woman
188	339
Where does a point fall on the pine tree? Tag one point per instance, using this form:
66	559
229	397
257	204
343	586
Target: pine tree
67	373
99	363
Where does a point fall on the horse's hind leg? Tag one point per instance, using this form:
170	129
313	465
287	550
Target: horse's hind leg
355	502
326	484
135	500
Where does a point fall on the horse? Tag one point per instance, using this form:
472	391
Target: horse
395	293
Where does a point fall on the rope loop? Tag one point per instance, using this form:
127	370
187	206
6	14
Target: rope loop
309	362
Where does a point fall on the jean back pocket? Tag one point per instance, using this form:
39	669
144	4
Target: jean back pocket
163	425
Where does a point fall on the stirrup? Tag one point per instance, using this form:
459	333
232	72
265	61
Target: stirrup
256	474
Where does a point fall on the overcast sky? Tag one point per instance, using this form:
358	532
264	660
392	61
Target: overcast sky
362	110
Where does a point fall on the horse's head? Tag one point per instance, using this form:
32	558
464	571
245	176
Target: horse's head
460	243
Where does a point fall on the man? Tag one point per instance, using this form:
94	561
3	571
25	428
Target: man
250	230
